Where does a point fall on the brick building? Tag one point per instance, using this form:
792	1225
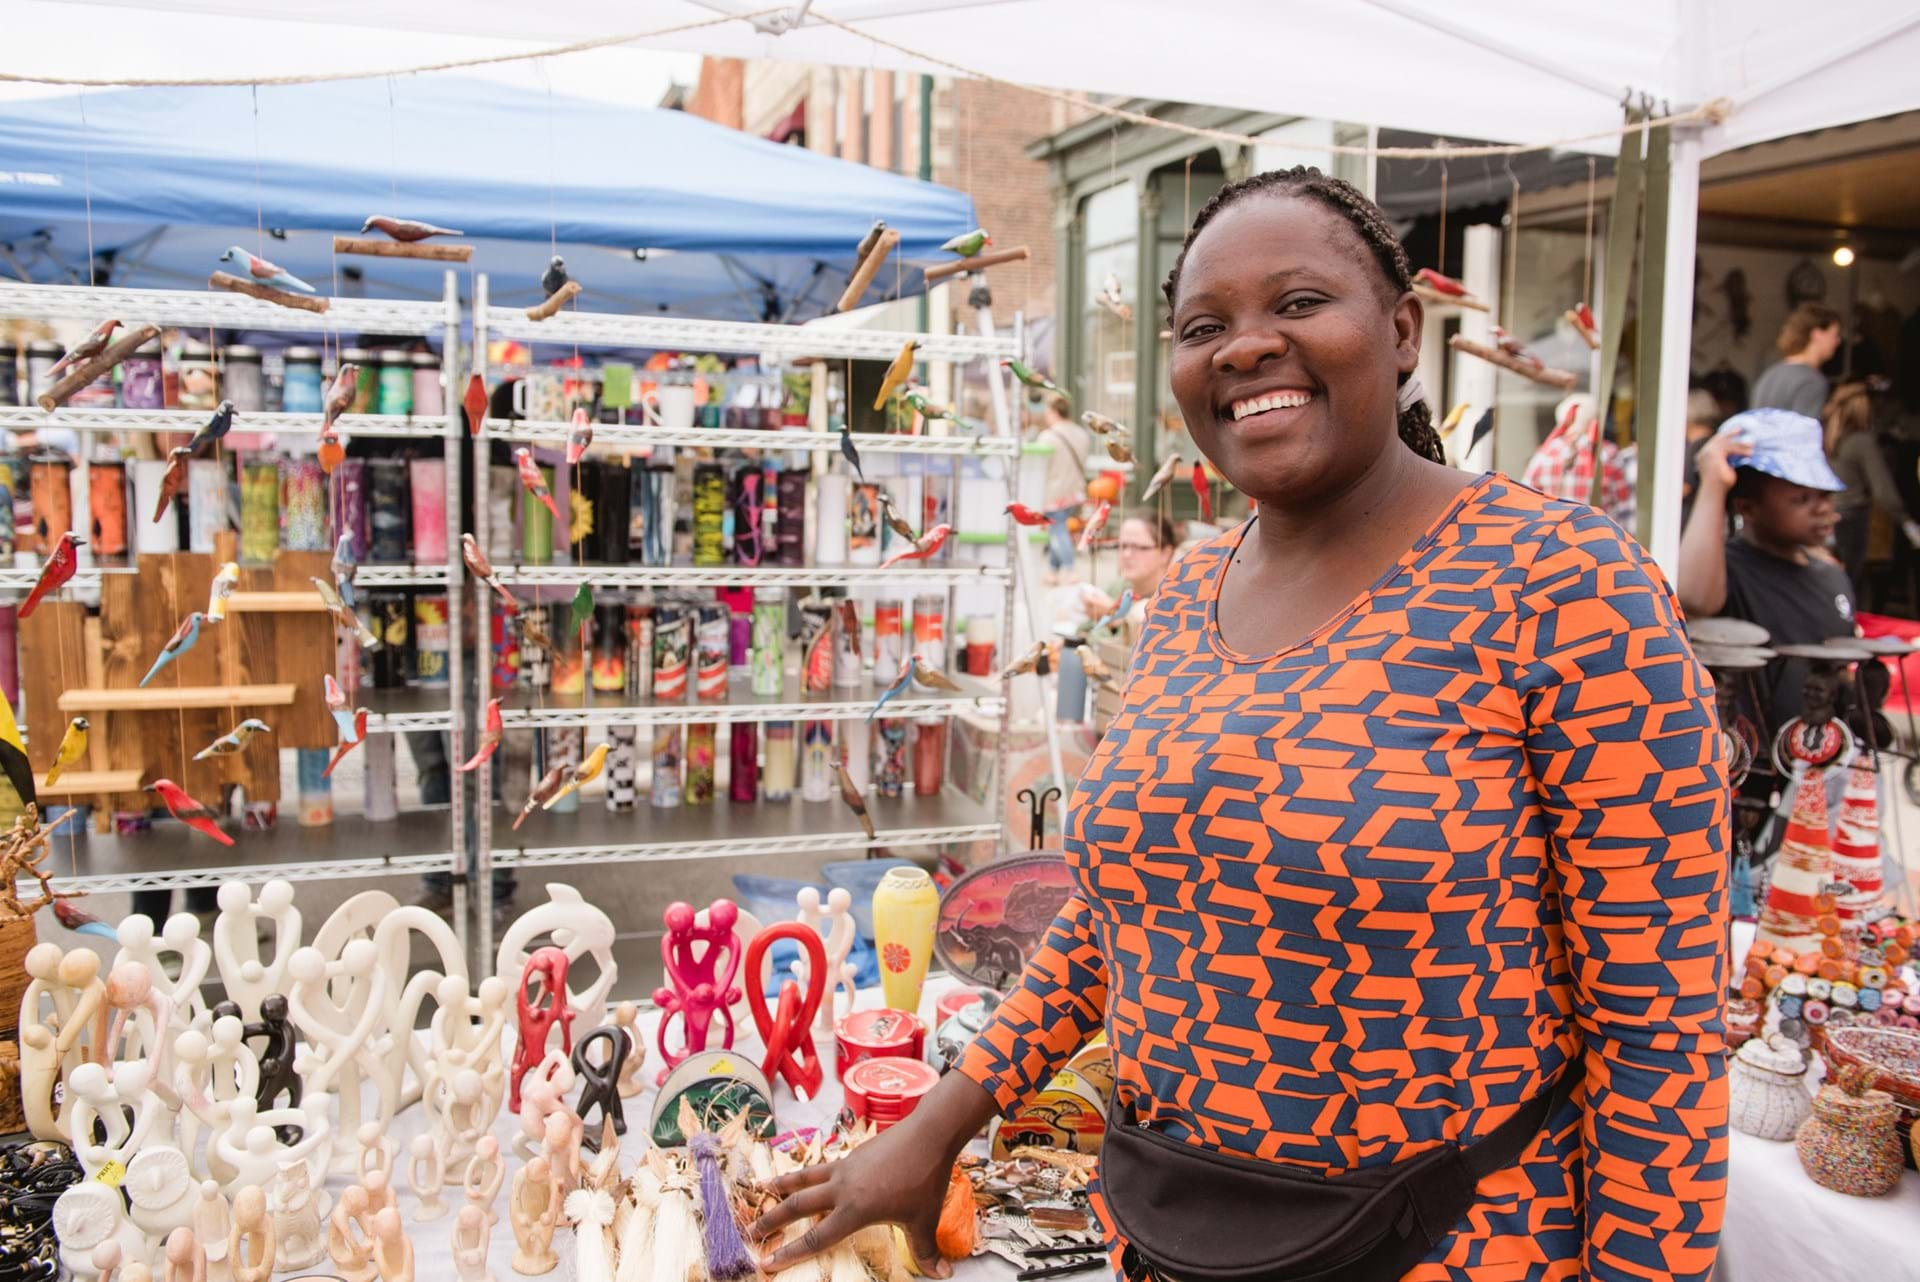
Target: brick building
977	139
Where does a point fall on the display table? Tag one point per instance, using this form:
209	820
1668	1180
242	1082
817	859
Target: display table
1782	1227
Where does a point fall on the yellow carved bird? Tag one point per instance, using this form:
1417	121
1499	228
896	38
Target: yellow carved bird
897	373
584	773
73	746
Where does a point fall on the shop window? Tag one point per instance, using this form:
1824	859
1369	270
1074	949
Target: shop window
1107	375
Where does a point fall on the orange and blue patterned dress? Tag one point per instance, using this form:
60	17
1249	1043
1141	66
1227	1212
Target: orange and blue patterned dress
1344	903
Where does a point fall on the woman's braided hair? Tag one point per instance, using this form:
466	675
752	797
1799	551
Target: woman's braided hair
1307	183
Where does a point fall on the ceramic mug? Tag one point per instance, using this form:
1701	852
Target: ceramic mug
669	406
541	395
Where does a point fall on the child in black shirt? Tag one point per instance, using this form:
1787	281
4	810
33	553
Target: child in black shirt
1768	468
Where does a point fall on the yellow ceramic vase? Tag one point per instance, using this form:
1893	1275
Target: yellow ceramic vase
906	908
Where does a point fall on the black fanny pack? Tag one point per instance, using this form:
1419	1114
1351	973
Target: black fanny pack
1192	1215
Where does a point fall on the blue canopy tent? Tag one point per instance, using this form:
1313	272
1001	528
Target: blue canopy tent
653	210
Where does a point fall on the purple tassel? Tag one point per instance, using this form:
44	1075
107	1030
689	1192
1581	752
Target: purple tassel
727	1256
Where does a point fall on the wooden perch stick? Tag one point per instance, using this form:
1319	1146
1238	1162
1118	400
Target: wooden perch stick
1018	254
84	373
373	247
561	297
266	293
1538	373
870	265
1428	294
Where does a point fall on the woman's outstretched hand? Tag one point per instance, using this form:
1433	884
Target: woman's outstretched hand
898	1177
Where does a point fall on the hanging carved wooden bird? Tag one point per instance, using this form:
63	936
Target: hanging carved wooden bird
579	437
550	783
932	678
893	691
921	548
555	278
187	810
220	591
475	404
1038	660
359	737
405	230
262	271
1024	515
531	477
235	740
343	614
1445	289
868	241
1161	476
490	736
968	244
172	481
897	373
1580	316
482	569
1094	666
342	567
1031	378
895	522
1203	491
851	454
337	705
86	349
184	638
585	773
1111	298
1095	524
850	793
218	426
926	409
54	572
73	746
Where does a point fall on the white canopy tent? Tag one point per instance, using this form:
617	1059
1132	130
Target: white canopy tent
1528	71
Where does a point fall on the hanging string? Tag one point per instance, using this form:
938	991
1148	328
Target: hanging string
1586	270
86	182
1441	266
259	206
1513	243
393	152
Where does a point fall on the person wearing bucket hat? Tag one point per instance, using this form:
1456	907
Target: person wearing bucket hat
1768	469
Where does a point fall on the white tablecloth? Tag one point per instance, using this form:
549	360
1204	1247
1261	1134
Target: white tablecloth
1782	1227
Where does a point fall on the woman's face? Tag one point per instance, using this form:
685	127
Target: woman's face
1142	564
1287	349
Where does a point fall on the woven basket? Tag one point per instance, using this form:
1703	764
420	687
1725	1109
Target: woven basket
1892	1053
16	938
13	1116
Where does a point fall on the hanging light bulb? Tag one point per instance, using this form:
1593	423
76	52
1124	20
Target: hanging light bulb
1843	256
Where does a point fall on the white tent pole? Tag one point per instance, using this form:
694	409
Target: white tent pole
1676	359
1670	460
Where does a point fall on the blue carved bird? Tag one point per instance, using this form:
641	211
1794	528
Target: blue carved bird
183	639
892	691
218	426
262	271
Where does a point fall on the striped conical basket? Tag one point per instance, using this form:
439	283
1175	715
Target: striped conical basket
1856	847
1800	871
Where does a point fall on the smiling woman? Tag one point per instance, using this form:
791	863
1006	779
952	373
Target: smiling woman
1402	868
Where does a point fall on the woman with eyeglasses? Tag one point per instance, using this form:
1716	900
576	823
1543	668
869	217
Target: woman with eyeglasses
1146	545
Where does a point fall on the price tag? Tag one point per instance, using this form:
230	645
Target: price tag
112	1174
